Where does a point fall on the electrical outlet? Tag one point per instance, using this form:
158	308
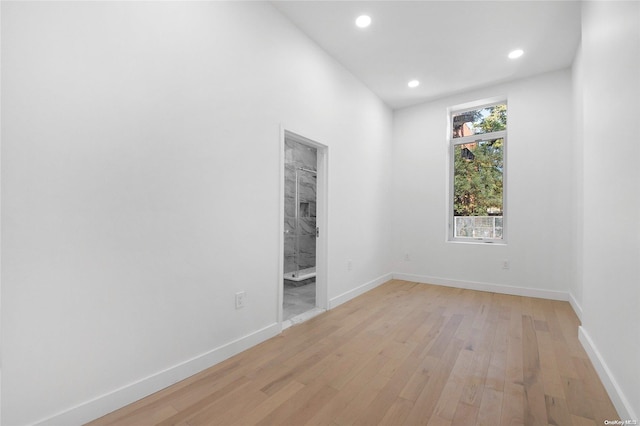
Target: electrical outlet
241	298
349	265
505	264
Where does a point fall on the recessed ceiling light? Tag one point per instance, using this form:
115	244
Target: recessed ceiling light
516	53
363	21
413	83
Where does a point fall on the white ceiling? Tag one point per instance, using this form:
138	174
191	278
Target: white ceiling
450	46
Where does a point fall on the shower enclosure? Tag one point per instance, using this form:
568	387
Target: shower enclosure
300	213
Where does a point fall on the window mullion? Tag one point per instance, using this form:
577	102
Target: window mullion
478	137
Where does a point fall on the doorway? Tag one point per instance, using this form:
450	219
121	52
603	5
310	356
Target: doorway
304	177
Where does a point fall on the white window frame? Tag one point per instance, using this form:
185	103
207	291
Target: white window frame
453	142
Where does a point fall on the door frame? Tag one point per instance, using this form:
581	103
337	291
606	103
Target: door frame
322	294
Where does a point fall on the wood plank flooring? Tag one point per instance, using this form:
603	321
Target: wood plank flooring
401	354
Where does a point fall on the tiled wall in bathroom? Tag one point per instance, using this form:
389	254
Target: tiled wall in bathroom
298	155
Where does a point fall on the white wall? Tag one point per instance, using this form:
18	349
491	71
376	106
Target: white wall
540	196
610	66
140	185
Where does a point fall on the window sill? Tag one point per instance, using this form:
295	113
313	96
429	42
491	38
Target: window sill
480	242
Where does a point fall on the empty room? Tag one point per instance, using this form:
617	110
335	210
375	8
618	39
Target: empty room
319	212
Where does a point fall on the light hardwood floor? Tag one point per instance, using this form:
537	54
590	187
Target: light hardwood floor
401	354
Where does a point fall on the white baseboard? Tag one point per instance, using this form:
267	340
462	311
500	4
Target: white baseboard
620	401
576	306
118	398
494	288
125	395
132	392
348	295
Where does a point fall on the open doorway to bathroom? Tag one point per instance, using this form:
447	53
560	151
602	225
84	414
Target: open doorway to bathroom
303	182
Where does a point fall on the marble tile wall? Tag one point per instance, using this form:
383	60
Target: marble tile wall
300	235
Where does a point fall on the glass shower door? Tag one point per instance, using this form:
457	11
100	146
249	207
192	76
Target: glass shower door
305	222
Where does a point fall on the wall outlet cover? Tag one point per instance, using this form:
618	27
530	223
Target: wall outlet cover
241	298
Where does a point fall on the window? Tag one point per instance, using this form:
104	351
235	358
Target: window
477	149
